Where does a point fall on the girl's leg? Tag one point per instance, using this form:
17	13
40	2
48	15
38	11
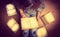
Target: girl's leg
33	33
25	33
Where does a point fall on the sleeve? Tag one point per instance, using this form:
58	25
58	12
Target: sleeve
41	6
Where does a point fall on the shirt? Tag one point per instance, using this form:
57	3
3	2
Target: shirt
30	12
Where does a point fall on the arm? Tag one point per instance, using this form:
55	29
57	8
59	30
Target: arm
39	10
22	13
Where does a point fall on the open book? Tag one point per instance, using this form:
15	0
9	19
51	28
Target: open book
29	23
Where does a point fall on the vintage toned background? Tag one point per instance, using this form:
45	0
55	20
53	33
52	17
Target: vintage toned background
53	29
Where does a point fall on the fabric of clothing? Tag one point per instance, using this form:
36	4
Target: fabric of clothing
30	12
29	33
42	6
